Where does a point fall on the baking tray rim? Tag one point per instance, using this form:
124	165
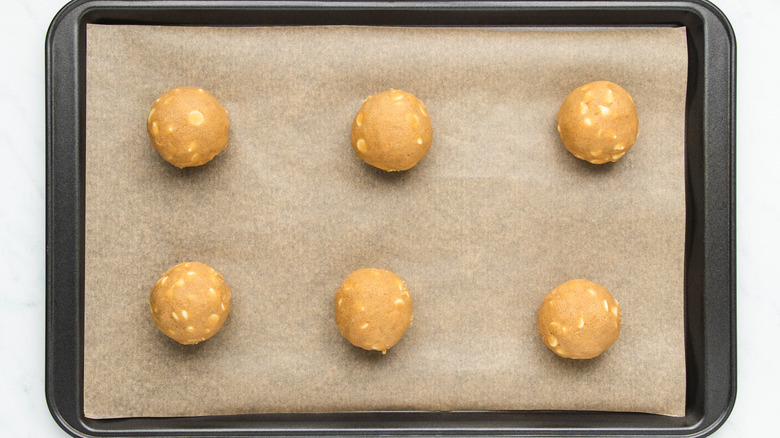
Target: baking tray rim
715	217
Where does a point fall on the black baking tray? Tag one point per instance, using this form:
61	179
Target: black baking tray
710	266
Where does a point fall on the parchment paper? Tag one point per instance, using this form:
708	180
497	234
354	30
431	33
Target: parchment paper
495	216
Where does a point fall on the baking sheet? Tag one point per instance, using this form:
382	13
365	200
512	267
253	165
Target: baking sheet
496	215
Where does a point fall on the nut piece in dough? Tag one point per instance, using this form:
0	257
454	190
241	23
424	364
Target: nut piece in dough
392	131
373	309
598	123
190	302
579	319
187	126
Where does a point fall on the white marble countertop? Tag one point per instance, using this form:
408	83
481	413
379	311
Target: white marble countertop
23	410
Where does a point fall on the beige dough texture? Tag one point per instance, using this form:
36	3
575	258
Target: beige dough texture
579	319
190	302
392	131
188	126
598	122
373	309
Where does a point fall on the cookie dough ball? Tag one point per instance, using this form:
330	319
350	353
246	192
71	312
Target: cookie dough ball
373	309
392	131
579	319
190	302
188	126
598	122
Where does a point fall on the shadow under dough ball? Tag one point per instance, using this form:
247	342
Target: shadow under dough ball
190	302
188	126
579	319
373	309
598	122
392	131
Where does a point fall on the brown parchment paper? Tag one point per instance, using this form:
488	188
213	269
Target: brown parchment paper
495	216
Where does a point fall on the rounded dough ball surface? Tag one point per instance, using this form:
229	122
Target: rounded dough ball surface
373	309
190	302
597	122
579	319
392	131
188	126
